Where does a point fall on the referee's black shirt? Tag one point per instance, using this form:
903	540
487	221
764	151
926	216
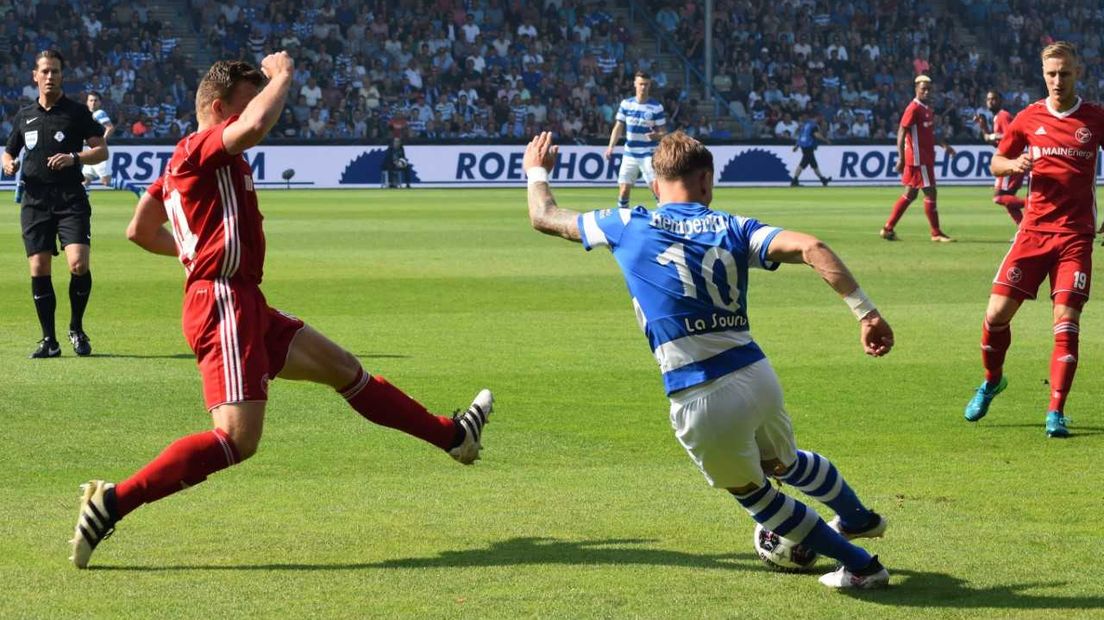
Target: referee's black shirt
45	133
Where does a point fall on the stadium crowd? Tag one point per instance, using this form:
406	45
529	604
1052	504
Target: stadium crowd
852	62
476	69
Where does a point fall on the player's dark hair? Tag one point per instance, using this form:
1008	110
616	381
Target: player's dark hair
52	54
642	74
221	80
96	93
678	156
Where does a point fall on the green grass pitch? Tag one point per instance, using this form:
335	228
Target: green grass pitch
584	505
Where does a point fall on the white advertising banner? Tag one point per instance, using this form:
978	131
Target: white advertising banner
500	165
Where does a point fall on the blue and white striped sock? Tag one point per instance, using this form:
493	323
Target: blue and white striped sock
816	476
790	518
119	183
622	202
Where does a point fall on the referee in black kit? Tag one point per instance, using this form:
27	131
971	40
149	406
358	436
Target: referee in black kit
51	134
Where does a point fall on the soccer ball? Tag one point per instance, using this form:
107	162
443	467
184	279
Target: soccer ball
782	554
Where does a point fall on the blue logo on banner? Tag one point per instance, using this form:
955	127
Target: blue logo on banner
367	168
755	166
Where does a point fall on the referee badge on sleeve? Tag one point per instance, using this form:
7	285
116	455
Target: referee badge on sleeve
30	139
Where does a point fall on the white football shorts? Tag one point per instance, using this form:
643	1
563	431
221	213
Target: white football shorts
634	167
97	171
731	424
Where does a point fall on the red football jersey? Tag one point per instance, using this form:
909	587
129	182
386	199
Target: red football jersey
1063	147
919	123
1001	121
212	209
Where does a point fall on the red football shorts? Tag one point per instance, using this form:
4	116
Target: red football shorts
918	177
1065	257
239	342
1009	184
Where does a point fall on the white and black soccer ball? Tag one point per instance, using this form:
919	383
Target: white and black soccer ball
783	554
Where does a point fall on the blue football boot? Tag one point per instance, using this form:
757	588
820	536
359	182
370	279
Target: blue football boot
1056	425
979	404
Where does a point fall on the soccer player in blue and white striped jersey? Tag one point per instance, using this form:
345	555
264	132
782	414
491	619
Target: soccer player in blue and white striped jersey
687	269
102	170
642	120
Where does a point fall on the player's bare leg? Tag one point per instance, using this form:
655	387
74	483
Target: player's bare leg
1063	366
42	293
80	288
823	179
185	463
996	338
624	190
314	357
932	212
797	173
898	212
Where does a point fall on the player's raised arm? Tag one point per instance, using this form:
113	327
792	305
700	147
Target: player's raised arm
794	247
544	214
147	227
261	114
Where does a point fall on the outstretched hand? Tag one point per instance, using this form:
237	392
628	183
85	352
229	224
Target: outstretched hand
540	152
875	334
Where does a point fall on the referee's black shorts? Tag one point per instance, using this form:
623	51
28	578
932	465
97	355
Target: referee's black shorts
808	158
55	212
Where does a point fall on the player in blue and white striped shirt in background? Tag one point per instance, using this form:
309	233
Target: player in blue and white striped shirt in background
687	268
102	170
642	120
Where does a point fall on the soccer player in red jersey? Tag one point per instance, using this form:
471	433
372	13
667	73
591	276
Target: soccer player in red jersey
207	195
1056	141
916	161
1005	188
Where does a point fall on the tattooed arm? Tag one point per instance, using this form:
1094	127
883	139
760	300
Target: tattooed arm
544	214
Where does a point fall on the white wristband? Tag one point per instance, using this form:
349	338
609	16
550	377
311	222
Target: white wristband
859	303
536	174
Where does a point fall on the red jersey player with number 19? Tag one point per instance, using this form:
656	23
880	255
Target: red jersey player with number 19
1004	188
916	161
1056	140
240	343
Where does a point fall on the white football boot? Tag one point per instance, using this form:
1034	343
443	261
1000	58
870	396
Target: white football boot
94	522
473	421
841	578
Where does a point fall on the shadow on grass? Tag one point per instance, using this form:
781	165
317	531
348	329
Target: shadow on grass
1075	430
516	552
929	589
174	356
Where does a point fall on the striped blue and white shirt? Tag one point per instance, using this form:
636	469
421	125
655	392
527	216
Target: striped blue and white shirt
640	119
101	117
686	268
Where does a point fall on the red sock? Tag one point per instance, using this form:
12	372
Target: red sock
1063	363
386	405
898	210
1012	204
932	212
995	340
185	463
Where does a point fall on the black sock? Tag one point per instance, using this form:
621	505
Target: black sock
80	287
42	290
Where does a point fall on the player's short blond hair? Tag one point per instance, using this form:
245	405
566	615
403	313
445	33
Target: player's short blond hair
678	156
1059	49
920	79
